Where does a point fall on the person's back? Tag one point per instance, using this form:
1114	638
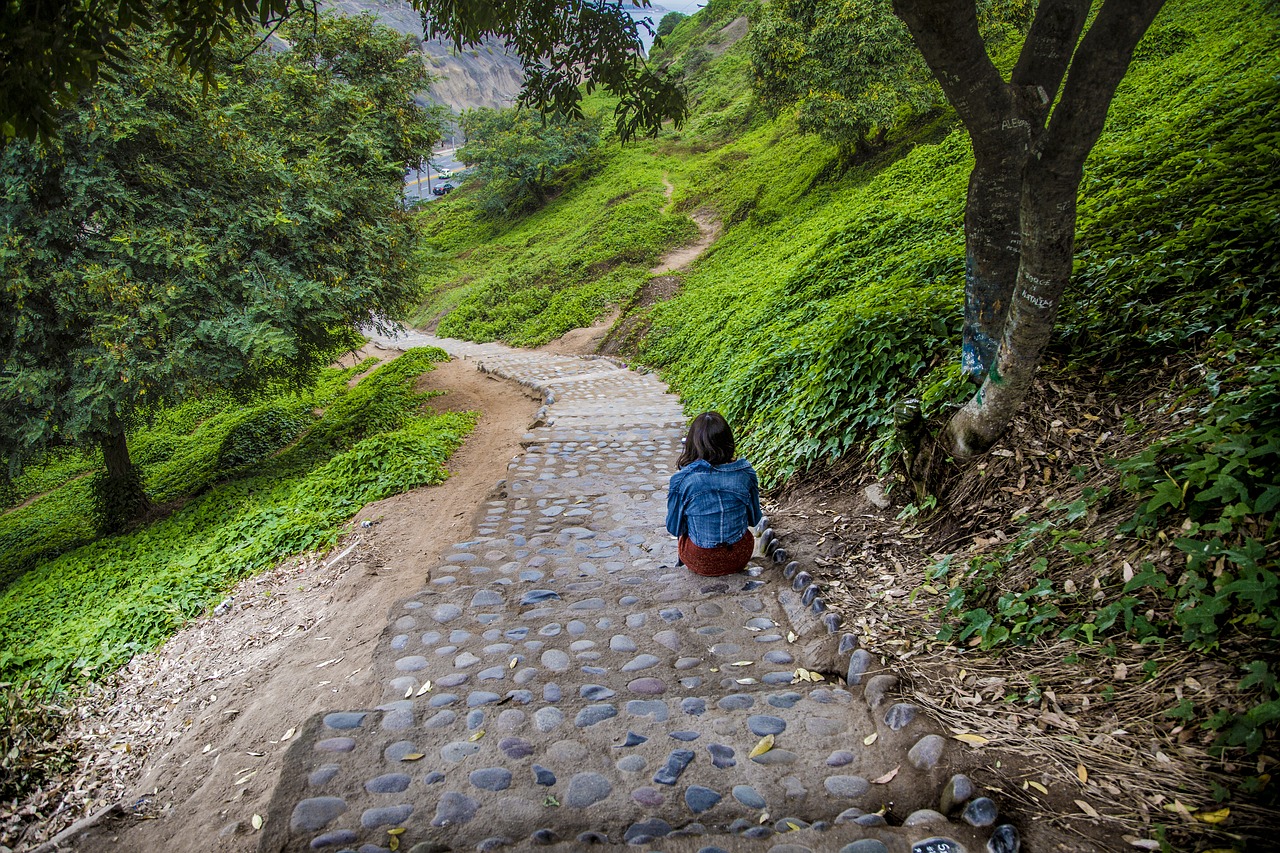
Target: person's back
713	500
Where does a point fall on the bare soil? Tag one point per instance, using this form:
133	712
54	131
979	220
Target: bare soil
1073	737
188	739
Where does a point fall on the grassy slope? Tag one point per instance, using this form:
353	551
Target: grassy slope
533	279
299	479
829	294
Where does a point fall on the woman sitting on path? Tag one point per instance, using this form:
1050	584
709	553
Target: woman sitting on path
712	499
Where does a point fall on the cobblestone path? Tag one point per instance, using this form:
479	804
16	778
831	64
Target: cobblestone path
560	684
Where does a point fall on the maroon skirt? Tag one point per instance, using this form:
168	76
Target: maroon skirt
721	560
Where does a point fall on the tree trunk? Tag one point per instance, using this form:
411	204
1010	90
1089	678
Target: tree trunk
119	498
115	452
1020	212
1047	214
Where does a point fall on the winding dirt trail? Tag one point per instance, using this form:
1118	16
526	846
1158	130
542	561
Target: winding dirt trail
588	340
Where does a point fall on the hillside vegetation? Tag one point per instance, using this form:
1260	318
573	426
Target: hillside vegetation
241	486
835	291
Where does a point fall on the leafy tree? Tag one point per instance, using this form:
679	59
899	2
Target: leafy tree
668	24
523	156
1031	136
848	67
174	242
567	47
51	50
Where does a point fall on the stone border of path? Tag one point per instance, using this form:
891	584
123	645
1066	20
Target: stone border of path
559	684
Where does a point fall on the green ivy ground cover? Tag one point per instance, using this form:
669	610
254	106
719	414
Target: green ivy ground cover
264	482
834	290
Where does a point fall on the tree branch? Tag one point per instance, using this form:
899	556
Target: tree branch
1100	64
946	33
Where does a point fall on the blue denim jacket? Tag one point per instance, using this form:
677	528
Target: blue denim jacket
713	504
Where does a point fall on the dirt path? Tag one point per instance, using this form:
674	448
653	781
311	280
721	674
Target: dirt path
587	340
191	735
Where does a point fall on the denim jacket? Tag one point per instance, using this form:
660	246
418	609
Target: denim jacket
713	504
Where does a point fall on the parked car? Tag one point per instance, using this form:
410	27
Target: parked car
443	189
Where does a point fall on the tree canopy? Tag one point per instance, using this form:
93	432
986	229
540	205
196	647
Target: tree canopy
52	51
522	156
175	241
849	68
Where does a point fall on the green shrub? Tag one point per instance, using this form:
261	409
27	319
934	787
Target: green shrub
264	432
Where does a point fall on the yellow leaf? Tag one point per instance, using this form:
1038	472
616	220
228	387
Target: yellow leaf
870	739
791	637
1082	774
1087	809
408	693
816	676
1041	788
888	777
514	661
742	663
931	589
426	685
971	739
256	820
1213	817
475	737
765	744
399	830
393	843
413	756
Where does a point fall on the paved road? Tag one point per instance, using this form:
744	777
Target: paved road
418	183
560	683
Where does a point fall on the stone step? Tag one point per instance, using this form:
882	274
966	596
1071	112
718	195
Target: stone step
561	683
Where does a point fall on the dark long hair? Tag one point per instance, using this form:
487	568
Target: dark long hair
709	438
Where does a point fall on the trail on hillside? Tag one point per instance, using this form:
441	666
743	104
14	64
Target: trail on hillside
663	286
193	731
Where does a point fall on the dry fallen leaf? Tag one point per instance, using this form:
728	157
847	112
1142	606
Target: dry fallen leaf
287	735
742	663
888	777
426	685
1215	817
1082	774
791	637
246	777
413	756
971	739
765	744
256	820
476	736
870	739
1087	809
